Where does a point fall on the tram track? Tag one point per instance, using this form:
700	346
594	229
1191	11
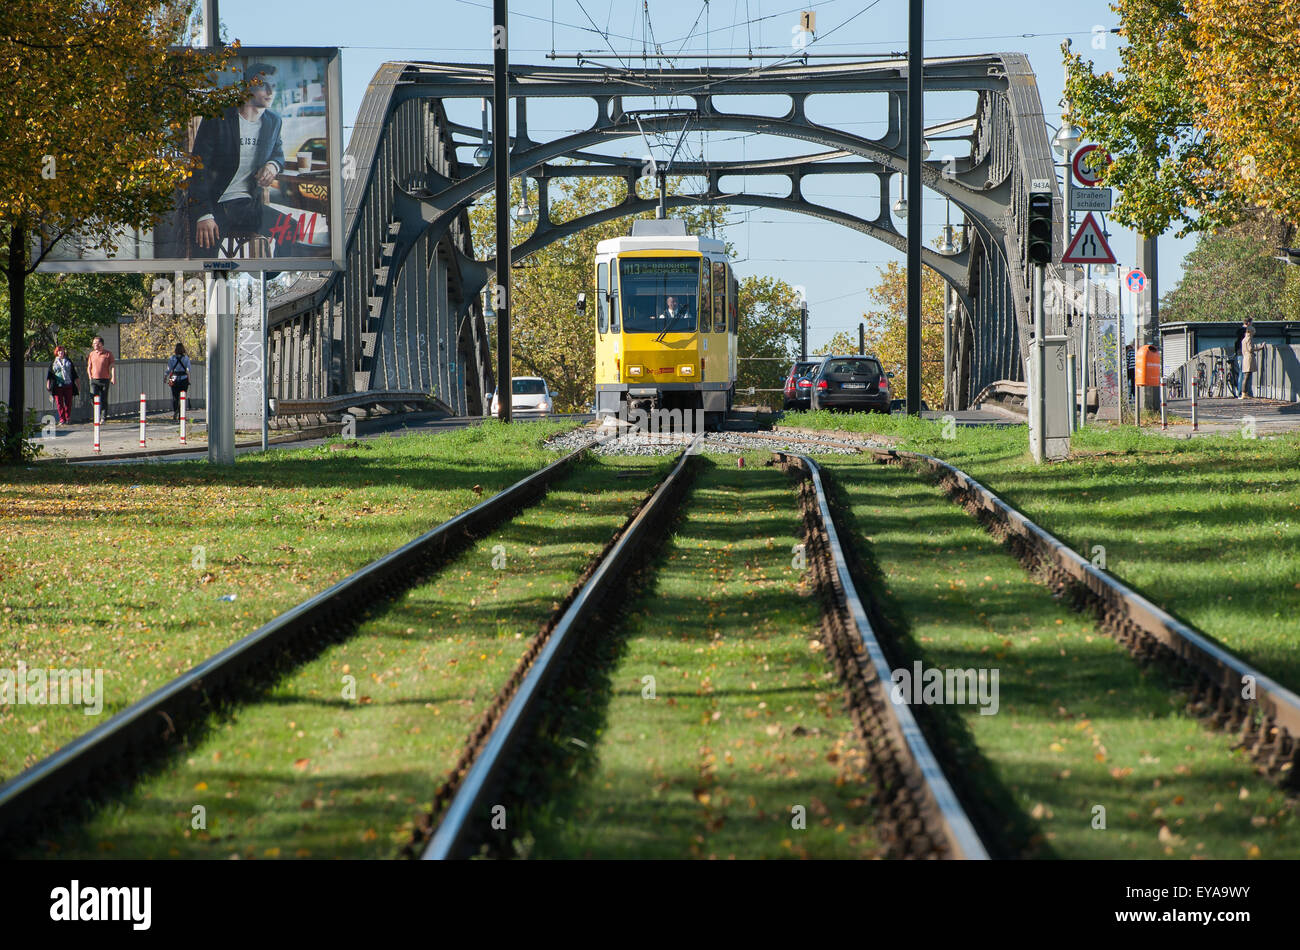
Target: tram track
1225	692
919	813
102	760
453	828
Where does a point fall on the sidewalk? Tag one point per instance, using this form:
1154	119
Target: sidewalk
1227	417
121	436
119	439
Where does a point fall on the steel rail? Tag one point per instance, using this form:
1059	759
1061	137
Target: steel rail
456	829
1228	673
957	829
150	722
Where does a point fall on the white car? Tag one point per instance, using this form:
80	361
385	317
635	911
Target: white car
530	397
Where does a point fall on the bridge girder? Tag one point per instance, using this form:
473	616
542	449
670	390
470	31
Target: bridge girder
421	200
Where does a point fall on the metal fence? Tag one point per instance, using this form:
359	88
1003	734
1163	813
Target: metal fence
1277	375
133	378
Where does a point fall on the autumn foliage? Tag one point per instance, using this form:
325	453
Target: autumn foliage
94	102
1203	120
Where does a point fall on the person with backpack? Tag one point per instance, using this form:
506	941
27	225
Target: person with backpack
61	381
178	378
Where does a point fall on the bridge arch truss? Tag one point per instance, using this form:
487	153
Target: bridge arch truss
405	314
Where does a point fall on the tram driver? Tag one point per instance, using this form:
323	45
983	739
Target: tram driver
671	310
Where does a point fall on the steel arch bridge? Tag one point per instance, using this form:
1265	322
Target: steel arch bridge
405	315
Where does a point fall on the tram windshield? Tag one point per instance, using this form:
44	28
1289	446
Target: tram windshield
660	294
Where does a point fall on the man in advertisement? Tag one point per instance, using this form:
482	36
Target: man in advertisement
241	153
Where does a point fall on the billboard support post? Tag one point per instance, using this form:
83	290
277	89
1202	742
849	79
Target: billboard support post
219	325
266	361
219	318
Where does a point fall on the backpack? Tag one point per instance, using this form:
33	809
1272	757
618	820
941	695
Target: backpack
178	371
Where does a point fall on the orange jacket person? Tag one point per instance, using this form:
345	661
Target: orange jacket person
102	373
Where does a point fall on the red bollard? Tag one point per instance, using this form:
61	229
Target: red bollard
97	398
740	462
182	417
143	401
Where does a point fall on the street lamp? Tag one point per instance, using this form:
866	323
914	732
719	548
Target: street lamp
483	154
1066	140
947	247
523	214
900	206
925	149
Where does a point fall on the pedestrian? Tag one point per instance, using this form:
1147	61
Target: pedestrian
178	378
1130	363
61	381
102	374
1249	359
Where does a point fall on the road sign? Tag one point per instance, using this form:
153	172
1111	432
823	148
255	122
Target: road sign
1089	245
1136	281
1091	199
1085	174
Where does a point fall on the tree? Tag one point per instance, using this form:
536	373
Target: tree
549	338
93	111
1232	273
1202	123
886	333
77	305
768	336
840	342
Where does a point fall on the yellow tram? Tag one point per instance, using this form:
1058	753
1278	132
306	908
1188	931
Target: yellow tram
665	322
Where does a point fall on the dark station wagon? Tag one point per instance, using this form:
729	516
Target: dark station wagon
850	382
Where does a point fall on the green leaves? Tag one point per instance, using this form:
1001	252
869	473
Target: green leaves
1202	119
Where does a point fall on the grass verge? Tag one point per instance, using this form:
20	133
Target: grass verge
719	730
1207	528
1079	734
340	756
145	570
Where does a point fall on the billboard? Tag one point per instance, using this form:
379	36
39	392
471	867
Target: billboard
266	194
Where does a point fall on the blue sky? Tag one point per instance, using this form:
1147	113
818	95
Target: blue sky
834	264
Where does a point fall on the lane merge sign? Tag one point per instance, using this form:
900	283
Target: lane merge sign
1084	174
1136	281
1089	245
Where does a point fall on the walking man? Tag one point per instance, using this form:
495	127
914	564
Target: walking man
102	373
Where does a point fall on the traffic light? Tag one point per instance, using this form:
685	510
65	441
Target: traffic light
1040	227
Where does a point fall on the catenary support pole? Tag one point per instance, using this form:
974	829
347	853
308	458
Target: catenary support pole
915	142
1084	354
501	162
1039	395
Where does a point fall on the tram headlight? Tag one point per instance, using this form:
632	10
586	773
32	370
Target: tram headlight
635	370
686	370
